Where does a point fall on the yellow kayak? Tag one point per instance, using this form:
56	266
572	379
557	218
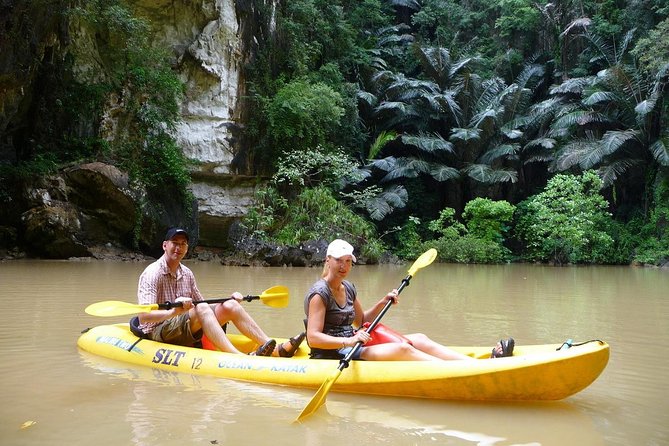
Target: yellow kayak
534	372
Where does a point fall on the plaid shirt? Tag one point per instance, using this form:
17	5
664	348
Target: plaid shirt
158	285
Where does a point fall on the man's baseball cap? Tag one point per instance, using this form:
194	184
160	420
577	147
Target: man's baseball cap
173	232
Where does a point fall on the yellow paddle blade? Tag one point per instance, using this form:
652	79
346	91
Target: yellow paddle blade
117	308
319	399
276	297
424	260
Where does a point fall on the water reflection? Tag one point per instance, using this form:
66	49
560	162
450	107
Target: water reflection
400	421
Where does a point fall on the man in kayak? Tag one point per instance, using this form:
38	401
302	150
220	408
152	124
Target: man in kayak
333	308
168	280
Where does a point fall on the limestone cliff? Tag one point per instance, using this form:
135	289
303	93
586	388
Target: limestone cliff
210	41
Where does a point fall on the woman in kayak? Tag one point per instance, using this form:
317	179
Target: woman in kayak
333	309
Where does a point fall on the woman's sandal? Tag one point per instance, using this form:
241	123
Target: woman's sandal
507	348
295	343
265	350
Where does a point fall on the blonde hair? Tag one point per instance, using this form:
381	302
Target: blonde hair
326	267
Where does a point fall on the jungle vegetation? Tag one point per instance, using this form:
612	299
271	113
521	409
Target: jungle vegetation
495	130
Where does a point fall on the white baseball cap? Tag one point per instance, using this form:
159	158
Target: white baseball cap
338	248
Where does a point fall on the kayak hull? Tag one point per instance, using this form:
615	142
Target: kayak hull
534	373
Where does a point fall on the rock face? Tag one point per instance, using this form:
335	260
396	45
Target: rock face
88	206
206	39
208	52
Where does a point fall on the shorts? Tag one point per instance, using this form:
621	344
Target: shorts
176	331
341	353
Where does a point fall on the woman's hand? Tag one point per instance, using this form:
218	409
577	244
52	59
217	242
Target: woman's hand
393	296
359	336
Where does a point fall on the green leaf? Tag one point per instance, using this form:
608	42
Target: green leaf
430	143
465	134
485	174
660	150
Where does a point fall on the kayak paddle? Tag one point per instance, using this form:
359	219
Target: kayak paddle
319	399
276	297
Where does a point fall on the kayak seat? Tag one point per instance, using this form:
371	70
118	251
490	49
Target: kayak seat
134	328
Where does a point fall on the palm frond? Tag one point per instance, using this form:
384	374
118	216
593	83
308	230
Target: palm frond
604	48
448	101
366	97
579	118
581	22
386	201
609	173
385	164
442	172
436	61
381	140
508	151
410	118
382	77
488	114
515	100
660	150
543	143
430	143
461	64
465	134
574	85
529	72
623	45
613	140
573	153
592	117
396	107
485	174
406	168
394	39
646	106
541	156
598	97
512	133
403	88
547	108
489	97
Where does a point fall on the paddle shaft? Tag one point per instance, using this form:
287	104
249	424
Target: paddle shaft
170	305
344	362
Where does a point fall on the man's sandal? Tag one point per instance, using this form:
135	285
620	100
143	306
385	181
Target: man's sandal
266	349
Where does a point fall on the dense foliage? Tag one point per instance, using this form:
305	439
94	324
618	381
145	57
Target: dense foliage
567	222
492	130
461	102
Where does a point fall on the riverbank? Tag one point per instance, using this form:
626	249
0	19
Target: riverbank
307	256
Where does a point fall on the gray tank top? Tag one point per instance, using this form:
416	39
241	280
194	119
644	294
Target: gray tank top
338	320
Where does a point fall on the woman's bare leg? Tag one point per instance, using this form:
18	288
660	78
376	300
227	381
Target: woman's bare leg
430	347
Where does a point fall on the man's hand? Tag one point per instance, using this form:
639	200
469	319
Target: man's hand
187	304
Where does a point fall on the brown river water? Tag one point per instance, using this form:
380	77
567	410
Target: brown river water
68	397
